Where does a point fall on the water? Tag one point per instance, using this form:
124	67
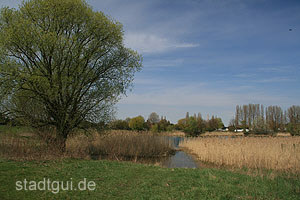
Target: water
180	159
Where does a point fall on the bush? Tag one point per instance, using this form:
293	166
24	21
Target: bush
192	127
137	123
119	125
154	128
294	128
170	128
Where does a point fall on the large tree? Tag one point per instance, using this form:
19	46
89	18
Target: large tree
153	118
61	63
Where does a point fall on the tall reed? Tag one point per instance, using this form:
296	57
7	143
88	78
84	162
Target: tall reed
270	153
117	145
124	145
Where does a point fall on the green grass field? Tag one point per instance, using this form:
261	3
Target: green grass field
124	180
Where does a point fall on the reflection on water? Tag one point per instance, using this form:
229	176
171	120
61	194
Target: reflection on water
179	160
175	141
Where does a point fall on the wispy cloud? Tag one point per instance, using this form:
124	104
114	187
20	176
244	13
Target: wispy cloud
151	43
245	75
275	79
279	69
155	63
147	81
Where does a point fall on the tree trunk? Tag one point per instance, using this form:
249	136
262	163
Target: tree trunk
61	139
61	144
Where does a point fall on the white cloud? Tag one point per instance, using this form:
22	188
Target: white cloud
186	45
157	63
151	43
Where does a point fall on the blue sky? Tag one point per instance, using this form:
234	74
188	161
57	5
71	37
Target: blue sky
208	55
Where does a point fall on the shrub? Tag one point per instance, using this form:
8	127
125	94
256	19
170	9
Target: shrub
192	127
154	128
119	125
294	129
137	123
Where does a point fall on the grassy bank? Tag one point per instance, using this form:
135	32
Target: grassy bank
279	153
119	180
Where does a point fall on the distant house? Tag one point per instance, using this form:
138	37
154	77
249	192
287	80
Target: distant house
240	130
224	129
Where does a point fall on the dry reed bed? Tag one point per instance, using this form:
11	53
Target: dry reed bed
225	133
269	153
26	149
119	145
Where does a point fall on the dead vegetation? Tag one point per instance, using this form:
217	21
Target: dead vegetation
278	153
117	145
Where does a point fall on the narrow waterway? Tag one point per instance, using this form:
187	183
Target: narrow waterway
180	159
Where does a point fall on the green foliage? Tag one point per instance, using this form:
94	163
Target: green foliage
137	123
192	127
154	128
163	124
181	124
196	125
170	128
119	125
3	119
294	129
214	123
62	63
15	130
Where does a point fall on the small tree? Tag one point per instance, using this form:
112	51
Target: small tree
192	127
181	124
137	123
163	124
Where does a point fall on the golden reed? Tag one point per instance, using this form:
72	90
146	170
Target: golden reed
270	153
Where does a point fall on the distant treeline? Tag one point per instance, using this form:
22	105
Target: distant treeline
193	125
258	119
252	118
